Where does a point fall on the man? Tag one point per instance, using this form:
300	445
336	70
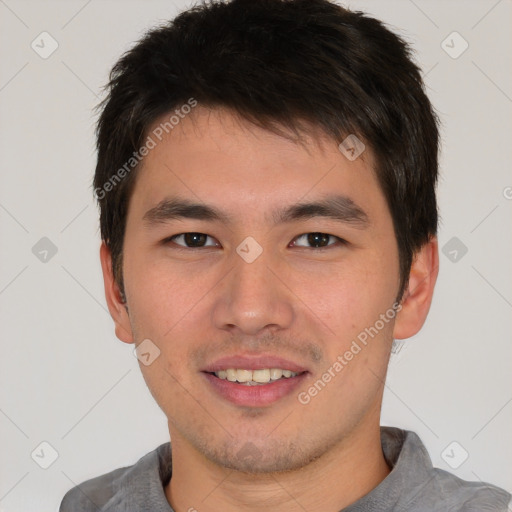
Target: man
266	177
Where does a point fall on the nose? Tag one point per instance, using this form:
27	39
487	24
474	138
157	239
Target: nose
253	298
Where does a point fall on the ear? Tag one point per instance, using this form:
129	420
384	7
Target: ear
117	308
418	294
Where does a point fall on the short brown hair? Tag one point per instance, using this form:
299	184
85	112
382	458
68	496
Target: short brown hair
278	63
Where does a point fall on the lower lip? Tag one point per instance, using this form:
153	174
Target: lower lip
254	396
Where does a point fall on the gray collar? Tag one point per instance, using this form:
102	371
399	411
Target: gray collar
412	485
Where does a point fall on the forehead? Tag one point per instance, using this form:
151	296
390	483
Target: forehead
213	156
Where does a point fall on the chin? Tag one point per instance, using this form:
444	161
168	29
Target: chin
264	458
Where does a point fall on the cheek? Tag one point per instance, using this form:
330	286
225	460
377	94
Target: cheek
160	296
163	308
350	296
167	306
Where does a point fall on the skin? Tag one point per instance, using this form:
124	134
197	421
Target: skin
294	301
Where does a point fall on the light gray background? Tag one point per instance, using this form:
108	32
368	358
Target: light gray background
66	379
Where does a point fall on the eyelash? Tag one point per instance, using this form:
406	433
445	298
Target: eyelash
336	238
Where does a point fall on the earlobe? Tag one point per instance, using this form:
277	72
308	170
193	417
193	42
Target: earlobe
418	294
116	305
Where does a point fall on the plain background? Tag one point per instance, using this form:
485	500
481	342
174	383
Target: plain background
66	379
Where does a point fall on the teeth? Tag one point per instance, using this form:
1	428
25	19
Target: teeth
260	376
276	373
243	375
254	377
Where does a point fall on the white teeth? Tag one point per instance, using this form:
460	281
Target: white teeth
243	375
254	377
230	375
276	373
261	375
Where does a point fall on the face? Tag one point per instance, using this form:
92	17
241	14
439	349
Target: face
231	276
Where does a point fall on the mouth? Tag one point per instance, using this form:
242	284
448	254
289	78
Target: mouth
254	382
254	377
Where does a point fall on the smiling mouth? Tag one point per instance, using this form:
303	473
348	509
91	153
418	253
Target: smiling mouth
254	377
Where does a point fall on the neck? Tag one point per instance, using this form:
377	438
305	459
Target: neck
332	482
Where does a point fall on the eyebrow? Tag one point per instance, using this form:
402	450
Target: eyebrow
337	207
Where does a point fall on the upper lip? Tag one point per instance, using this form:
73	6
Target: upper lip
258	362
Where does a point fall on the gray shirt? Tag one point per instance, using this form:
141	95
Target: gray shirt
413	485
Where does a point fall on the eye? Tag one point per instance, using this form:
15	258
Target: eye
192	240
316	240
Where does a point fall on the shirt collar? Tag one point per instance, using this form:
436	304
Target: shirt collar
403	450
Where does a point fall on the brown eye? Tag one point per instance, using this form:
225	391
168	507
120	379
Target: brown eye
192	240
316	240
